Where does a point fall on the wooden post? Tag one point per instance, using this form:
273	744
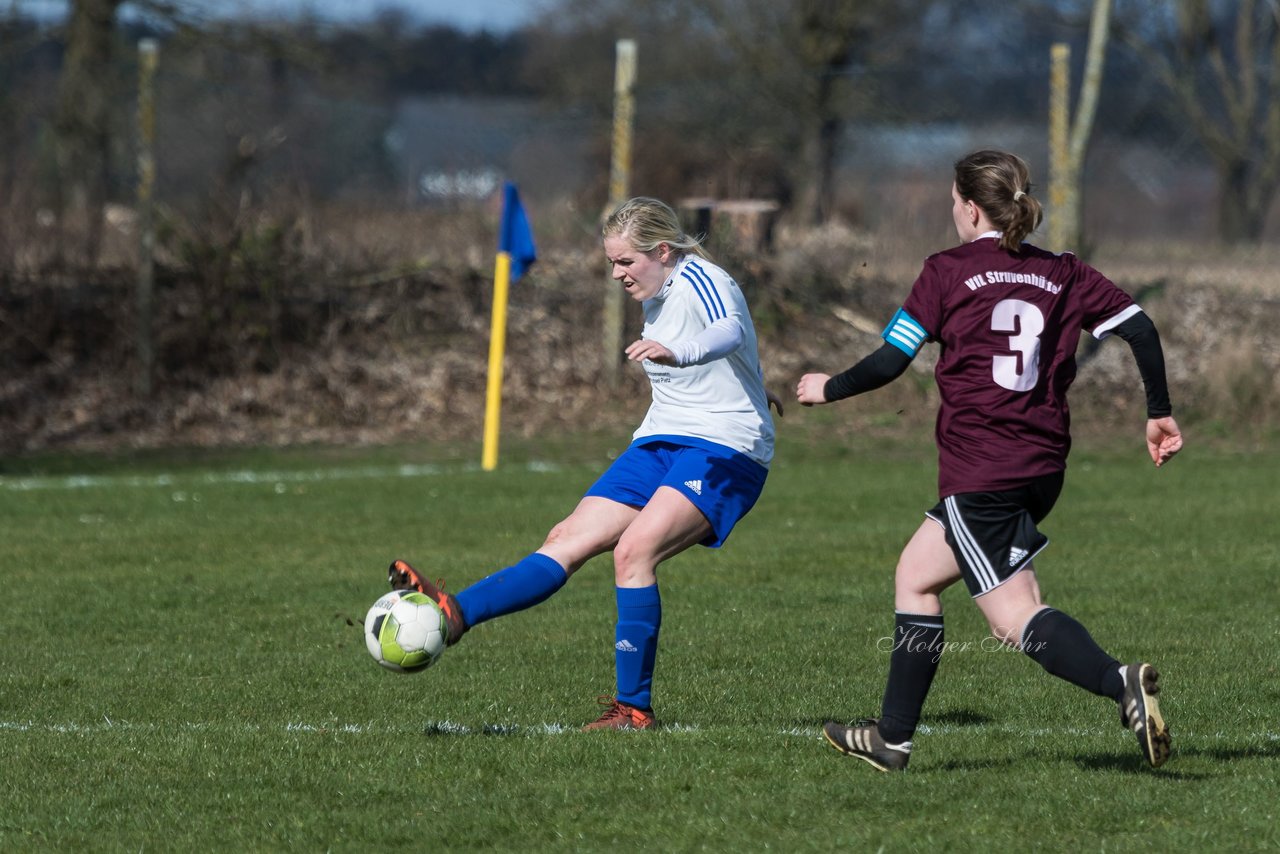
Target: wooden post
619	187
1061	181
148	52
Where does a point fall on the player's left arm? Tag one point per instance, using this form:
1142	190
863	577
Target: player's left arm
903	338
875	370
1164	439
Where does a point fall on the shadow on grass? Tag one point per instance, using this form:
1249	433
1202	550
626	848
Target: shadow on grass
955	718
958	718
1230	754
986	763
1128	763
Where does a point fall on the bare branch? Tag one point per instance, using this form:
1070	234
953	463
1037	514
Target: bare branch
1099	30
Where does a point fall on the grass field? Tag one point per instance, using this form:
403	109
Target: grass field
181	670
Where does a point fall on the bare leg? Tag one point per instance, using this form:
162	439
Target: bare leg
926	568
666	526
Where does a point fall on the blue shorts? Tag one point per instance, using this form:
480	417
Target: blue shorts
722	483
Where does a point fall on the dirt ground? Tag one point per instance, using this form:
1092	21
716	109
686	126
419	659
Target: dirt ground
404	357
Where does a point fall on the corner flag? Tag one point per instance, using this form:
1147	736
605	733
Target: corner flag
516	238
515	253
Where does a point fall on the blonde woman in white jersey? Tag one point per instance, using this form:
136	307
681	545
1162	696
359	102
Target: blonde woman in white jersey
696	464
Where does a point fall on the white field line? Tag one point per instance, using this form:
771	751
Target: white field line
73	482
452	728
328	728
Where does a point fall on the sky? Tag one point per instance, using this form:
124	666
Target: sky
497	16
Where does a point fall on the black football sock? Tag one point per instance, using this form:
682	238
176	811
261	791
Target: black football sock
917	646
1065	648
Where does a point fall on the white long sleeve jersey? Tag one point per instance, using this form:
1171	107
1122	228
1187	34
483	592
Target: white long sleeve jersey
722	400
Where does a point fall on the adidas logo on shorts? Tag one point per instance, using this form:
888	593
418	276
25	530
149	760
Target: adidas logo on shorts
695	485
1016	554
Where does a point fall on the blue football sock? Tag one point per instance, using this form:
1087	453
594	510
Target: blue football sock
636	642
530	581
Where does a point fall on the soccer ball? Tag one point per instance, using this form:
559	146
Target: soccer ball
405	631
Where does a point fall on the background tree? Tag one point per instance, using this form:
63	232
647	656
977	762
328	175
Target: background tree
1220	61
831	31
740	97
1067	154
700	129
82	124
837	43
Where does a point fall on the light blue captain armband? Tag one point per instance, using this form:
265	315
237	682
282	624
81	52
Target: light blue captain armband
905	333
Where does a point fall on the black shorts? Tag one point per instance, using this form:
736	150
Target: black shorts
993	534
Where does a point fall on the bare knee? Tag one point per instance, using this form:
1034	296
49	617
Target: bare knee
571	546
1008	624
1011	605
915	592
925	568
634	564
559	534
1003	631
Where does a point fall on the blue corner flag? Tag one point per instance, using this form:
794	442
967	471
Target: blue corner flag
516	238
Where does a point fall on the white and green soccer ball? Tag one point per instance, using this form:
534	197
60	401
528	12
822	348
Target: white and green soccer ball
405	631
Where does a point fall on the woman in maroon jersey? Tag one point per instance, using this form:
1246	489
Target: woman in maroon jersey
1007	317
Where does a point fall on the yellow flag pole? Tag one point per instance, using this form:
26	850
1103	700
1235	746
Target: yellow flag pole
497	344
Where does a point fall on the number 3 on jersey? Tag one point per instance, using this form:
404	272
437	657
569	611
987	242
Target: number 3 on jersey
1023	323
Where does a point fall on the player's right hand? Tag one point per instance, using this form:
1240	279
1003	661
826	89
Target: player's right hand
653	351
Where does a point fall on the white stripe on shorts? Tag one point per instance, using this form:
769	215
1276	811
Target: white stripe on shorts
973	554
